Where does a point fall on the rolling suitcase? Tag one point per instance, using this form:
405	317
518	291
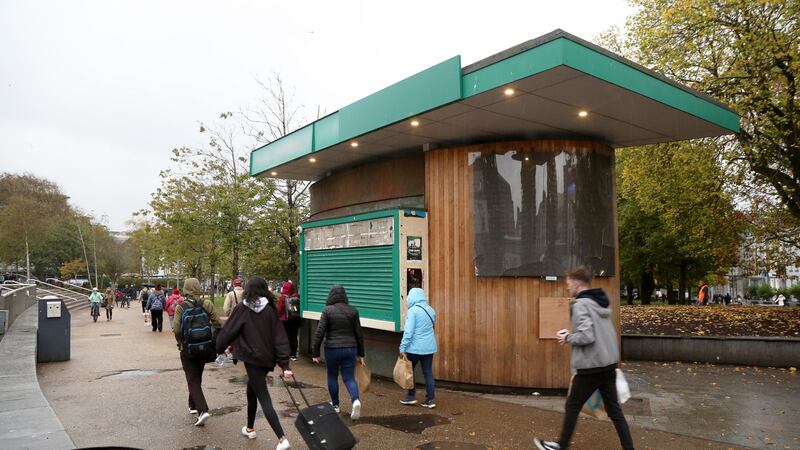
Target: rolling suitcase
320	425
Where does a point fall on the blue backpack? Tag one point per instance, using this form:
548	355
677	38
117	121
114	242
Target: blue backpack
197	336
158	302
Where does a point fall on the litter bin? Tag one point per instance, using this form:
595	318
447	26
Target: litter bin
53	337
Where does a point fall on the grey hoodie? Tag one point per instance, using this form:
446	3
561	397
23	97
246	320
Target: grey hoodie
593	337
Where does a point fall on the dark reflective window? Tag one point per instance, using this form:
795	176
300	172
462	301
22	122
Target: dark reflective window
539	212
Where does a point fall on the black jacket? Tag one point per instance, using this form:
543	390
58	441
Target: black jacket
257	334
339	324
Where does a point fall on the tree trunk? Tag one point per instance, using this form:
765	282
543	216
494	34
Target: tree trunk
682	284
646	287
629	288
670	296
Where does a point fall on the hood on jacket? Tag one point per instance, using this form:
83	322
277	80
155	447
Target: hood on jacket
337	295
415	296
595	294
257	305
191	286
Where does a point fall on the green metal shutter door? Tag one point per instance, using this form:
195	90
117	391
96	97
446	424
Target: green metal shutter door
365	273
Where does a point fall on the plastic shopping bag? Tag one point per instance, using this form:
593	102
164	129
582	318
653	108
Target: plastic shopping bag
623	390
595	406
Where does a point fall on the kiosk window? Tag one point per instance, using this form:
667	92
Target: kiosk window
538	213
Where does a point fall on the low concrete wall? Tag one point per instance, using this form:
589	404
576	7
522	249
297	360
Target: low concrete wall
26	418
17	301
748	351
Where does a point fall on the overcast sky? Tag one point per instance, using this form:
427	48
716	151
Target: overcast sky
95	94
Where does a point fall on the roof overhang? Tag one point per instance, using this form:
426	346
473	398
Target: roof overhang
553	79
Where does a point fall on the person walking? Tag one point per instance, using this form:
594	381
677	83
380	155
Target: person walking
702	293
172	302
288	309
193	367
419	344
595	356
144	295
234	297
108	300
260	342
95	298
340	326
155	304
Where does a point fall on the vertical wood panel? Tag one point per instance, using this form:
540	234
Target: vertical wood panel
488	326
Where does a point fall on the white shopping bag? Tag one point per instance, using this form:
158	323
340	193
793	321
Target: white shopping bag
623	390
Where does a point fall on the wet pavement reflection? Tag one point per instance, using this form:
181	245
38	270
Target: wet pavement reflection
407	423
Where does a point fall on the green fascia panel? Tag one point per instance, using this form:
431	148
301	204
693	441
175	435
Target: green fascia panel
326	132
530	62
353	218
426	90
287	148
608	69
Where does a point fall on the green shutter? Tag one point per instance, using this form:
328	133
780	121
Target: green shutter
365	272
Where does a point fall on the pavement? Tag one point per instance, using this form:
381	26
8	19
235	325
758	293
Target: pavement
124	387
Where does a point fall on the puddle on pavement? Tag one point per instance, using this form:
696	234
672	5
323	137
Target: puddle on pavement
445	445
242	379
225	410
636	406
135	373
407	423
204	447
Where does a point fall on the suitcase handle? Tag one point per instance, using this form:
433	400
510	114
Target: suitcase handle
297	384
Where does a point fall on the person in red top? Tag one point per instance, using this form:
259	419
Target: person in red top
702	293
172	302
291	324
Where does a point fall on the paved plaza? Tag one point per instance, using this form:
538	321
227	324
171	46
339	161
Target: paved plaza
124	386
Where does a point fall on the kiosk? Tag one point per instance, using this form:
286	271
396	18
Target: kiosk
482	185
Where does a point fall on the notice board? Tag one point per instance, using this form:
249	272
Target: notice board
553	316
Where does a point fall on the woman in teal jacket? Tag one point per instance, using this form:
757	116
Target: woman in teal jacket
419	343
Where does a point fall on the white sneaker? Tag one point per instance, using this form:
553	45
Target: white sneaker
192	411
335	408
201	419
546	445
283	445
249	434
356	410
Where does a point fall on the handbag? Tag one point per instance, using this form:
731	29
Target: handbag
363	375
623	390
403	372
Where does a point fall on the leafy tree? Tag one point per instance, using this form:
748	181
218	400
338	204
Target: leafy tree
747	55
71	269
675	219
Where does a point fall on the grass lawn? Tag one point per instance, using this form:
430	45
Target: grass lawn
714	320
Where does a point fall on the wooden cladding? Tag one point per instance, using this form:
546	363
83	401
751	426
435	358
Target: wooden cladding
488	327
383	180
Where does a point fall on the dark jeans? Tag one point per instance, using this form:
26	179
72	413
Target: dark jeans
292	327
427	370
157	318
193	369
257	392
144	306
583	385
109	313
345	359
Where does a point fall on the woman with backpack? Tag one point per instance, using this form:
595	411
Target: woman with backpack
155	304
289	311
199	315
172	302
259	340
419	344
340	326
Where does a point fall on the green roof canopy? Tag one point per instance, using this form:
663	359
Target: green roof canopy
535	90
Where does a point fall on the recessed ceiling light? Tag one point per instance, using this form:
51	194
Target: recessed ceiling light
312	159
273	173
415	123
509	91
354	144
583	114
527	158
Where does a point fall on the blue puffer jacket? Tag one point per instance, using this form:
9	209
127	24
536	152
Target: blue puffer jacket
418	334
